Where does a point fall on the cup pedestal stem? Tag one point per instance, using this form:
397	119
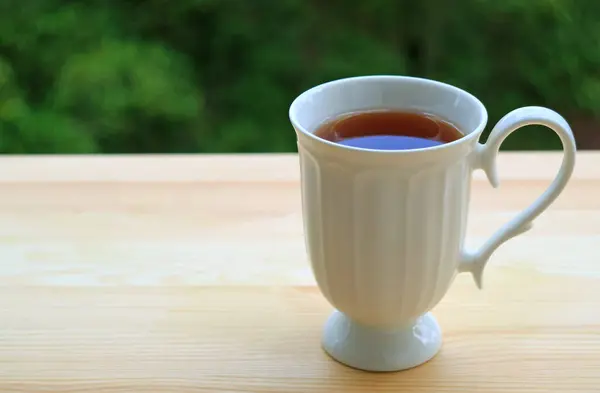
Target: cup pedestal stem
376	349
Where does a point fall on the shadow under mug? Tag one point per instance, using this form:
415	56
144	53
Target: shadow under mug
385	229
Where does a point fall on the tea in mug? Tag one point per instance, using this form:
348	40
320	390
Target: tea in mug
389	130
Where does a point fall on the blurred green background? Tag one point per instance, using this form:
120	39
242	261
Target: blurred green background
146	76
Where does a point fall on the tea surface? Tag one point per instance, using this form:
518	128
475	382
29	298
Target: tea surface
389	130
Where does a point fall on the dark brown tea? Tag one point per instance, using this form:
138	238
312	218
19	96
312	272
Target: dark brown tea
389	130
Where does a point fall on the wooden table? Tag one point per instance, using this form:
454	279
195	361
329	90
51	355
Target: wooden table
189	274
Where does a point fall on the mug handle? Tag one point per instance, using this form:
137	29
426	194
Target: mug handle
485	158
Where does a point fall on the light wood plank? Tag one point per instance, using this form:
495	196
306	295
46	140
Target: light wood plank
521	334
189	274
234	167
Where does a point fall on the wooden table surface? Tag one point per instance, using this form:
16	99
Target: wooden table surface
189	274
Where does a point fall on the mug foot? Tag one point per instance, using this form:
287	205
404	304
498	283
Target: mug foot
376	349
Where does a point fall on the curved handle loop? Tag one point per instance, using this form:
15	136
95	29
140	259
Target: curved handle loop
474	261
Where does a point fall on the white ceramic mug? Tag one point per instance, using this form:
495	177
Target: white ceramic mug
385	230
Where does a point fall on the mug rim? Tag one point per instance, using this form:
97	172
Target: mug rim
474	134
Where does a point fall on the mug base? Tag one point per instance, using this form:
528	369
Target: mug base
377	349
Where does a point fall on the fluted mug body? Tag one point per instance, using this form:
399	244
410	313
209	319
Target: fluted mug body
384	240
385	229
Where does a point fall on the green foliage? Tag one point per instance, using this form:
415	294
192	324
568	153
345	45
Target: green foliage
130	97
112	76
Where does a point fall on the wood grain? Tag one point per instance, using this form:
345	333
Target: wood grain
188	274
